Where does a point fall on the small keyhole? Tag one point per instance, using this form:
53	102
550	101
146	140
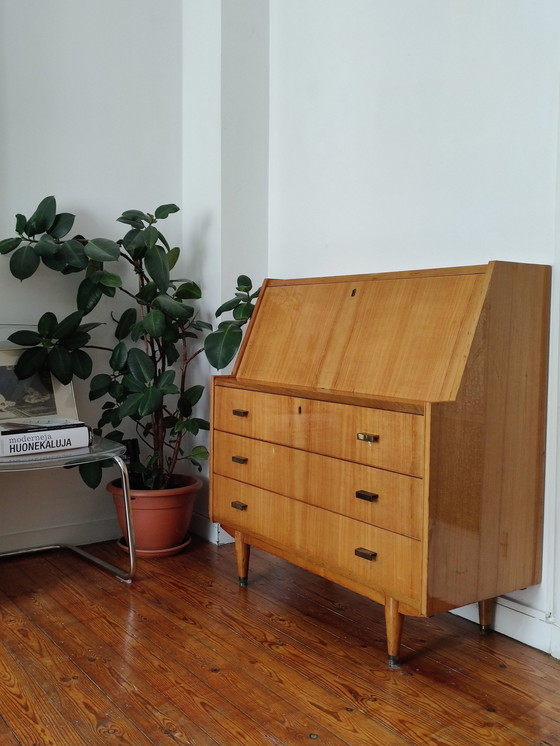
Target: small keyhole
299	410
354	292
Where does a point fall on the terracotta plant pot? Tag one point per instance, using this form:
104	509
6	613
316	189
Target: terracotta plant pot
161	517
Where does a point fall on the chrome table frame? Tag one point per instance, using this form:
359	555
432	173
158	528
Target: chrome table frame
100	450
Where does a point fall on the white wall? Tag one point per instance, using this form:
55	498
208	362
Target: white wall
91	112
407	135
225	97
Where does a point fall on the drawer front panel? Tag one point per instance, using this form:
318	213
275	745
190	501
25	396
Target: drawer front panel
375	437
381	498
323	538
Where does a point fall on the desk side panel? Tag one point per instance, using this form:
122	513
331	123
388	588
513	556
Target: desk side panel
486	455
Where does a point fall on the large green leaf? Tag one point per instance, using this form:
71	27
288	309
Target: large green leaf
188	291
99	385
68	325
172	256
91	473
43	217
131	385
165	382
75	341
173	308
118	357
109	279
23	262
164	210
21	222
46	246
47	324
102	250
244	283
193	394
88	296
199	453
62	225
157	267
154	323
188	399
151	235
56	262
243	311
141	365
31	361
73	252
135	215
25	338
125	323
9	244
90	325
151	399
148	292
82	364
60	364
129	407
221	346
229	305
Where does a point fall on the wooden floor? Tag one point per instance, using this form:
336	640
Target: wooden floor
184	656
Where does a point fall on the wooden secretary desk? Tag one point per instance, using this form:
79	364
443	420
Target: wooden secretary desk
387	432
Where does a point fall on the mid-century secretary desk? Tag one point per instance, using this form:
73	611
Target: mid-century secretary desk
387	432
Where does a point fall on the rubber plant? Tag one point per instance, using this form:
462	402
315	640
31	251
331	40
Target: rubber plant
145	378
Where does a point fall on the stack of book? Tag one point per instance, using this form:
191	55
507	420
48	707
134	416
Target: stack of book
34	436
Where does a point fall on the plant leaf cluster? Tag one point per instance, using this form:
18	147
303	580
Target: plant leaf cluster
156	337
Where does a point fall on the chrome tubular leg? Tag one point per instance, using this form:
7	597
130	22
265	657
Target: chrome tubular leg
124	575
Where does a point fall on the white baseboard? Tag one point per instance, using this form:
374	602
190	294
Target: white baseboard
527	625
77	533
202	526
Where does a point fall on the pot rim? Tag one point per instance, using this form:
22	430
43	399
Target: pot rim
191	484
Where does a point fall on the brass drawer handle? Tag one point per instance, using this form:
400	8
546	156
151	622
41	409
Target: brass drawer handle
365	553
238	506
240	459
364	495
367	437
240	412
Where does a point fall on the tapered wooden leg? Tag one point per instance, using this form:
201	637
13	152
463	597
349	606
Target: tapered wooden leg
242	552
486	610
393	625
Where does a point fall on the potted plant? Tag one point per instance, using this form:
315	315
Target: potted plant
158	334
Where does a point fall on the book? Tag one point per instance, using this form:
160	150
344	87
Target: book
40	435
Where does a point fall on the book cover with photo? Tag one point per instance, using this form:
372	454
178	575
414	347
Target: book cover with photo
31	397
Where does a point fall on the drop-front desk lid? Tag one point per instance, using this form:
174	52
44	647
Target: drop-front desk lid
400	335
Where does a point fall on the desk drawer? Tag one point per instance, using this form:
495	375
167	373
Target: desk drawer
381	498
322	538
375	437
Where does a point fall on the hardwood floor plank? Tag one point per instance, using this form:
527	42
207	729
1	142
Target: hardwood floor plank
490	697
27	710
94	609
185	656
106	723
232	674
395	716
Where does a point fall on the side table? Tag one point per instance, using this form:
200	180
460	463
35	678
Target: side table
100	450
